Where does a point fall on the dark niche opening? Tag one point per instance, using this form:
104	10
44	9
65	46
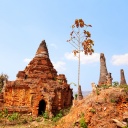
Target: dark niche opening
42	107
25	77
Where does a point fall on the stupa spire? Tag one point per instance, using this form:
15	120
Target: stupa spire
80	96
122	77
103	70
42	50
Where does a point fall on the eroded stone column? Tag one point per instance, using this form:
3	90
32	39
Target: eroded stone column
109	79
122	77
103	70
80	96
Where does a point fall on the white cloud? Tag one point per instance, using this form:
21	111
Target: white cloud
53	45
59	66
85	59
27	60
120	59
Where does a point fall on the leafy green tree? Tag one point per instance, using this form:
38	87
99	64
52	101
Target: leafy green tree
3	77
81	40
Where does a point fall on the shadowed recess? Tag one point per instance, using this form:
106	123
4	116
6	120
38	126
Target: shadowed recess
42	107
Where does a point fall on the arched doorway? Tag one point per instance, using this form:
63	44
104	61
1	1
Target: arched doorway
42	107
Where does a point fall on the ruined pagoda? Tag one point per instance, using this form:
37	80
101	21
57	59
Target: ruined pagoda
103	70
80	96
122	78
38	88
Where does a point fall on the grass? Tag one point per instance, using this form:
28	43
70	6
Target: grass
125	127
57	116
125	87
14	116
16	120
93	110
82	122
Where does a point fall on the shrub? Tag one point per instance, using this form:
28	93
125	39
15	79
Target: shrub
38	119
125	127
14	116
97	91
113	101
5	112
82	122
1	114
30	119
115	84
76	96
125	87
105	86
3	77
45	115
93	110
58	116
82	114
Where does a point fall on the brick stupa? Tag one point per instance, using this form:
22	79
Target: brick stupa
38	88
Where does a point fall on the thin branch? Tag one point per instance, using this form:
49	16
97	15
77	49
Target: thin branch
74	41
73	46
82	40
82	36
81	33
76	34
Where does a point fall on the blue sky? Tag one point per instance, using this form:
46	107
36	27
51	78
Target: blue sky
24	24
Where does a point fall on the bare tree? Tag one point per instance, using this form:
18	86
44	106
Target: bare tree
81	40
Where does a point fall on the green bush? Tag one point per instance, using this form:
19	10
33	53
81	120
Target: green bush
105	86
113	101
125	127
58	116
97	91
76	96
93	110
45	115
82	122
115	84
38	119
125	87
1	114
5	112
14	116
30	119
0	90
